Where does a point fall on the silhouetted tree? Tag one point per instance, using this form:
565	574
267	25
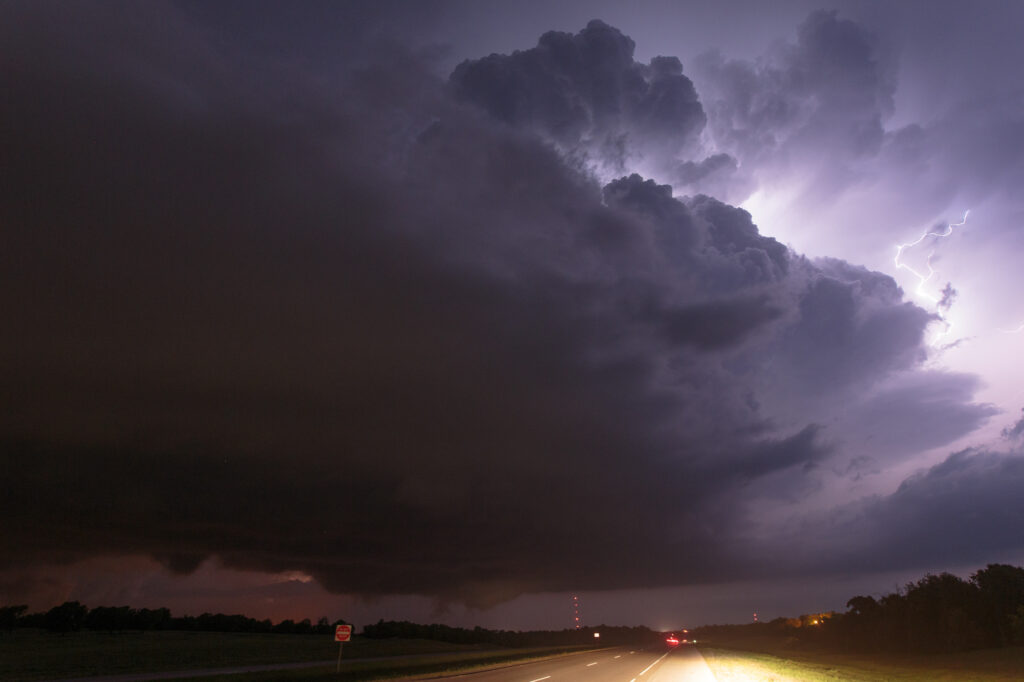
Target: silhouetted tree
1001	594
110	618
286	627
67	617
1017	626
942	614
859	629
9	616
152	619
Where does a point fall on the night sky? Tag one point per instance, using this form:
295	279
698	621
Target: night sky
445	311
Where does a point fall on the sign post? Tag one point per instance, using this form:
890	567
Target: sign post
342	633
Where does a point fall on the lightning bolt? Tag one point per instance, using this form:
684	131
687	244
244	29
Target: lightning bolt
924	277
944	301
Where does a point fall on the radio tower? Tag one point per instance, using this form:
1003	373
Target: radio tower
576	610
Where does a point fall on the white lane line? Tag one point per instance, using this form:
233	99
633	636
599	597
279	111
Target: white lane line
633	680
590	664
655	663
632	652
619	656
548	677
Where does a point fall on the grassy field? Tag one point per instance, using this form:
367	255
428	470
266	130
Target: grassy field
992	665
27	654
406	669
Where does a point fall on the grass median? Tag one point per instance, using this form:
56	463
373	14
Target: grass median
406	669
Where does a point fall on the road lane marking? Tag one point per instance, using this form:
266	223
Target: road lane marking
619	656
590	664
632	652
548	677
655	663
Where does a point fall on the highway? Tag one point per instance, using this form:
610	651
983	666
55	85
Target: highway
657	664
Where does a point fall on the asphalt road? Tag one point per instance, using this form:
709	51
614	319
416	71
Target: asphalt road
660	664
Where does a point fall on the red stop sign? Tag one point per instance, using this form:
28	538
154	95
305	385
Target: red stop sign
342	633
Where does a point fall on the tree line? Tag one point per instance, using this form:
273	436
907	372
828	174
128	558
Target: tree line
609	635
937	613
72	615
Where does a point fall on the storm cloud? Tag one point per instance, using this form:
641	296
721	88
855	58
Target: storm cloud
963	511
389	331
586	94
820	102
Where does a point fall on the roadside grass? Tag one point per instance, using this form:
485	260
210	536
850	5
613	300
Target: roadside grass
405	669
990	665
28	654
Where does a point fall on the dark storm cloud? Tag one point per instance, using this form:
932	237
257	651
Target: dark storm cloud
819	103
690	173
917	412
1015	432
839	340
965	510
356	329
969	142
715	247
714	325
586	93
817	117
802	450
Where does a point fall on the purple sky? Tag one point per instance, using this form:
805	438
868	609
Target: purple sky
445	311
